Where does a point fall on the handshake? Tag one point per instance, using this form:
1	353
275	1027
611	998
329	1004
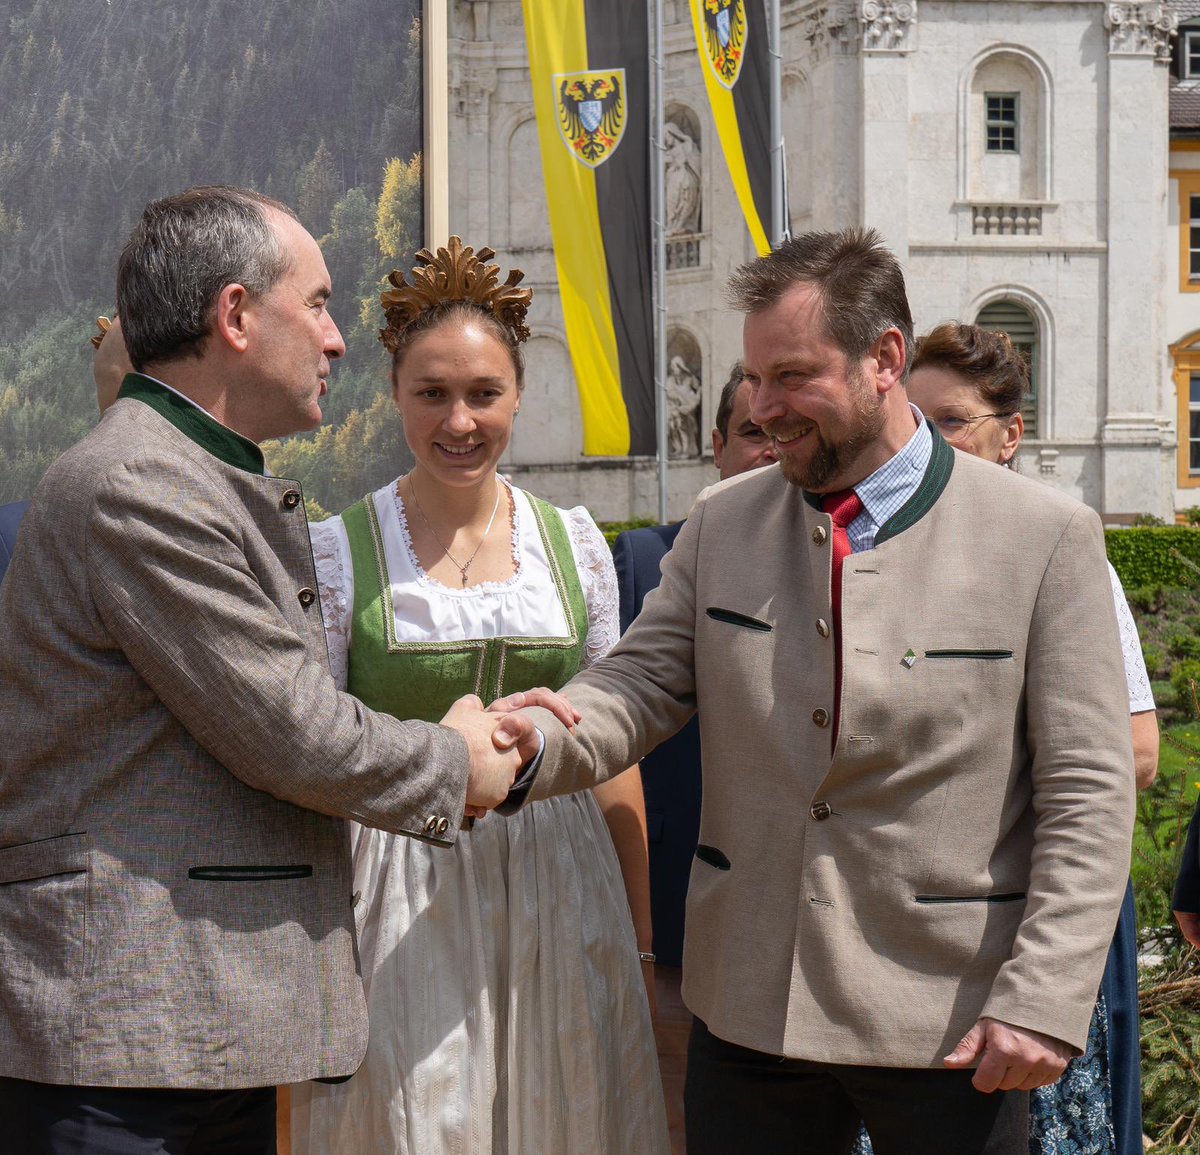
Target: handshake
500	741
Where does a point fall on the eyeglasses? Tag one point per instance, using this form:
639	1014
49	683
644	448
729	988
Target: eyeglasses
954	428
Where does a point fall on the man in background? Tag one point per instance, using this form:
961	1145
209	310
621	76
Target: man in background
671	773
109	369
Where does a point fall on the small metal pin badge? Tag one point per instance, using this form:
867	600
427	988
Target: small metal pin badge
909	659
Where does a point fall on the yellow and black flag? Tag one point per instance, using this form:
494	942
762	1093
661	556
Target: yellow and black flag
589	66
731	37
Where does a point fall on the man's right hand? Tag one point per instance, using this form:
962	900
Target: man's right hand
1190	925
494	759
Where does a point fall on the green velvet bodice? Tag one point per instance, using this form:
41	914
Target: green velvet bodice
421	680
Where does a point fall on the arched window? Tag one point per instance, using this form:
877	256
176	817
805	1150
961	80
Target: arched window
1005	126
1022	329
528	214
1004	129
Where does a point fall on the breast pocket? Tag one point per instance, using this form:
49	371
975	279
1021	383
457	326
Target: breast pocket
736	618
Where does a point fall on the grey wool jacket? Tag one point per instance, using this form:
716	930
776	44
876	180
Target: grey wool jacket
175	769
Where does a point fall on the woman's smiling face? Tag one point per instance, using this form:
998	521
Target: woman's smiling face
456	390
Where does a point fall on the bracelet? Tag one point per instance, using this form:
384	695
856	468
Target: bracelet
647	956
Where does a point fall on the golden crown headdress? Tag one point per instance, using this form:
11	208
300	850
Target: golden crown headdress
456	273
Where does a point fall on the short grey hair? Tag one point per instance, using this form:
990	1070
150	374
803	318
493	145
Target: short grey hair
185	249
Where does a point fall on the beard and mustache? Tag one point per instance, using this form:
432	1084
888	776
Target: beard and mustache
832	457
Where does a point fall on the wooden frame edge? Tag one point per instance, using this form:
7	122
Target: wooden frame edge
1185	359
435	34
1188	182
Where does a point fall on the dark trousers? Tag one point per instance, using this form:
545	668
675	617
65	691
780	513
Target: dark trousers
742	1100
45	1119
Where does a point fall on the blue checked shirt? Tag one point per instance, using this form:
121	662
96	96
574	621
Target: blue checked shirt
890	486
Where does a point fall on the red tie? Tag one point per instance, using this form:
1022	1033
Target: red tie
843	507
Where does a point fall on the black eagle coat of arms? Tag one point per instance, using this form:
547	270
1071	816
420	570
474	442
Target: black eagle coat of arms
591	113
724	23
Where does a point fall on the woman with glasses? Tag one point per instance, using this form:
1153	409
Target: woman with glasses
970	383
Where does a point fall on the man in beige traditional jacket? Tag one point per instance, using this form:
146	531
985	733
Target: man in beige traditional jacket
175	761
917	769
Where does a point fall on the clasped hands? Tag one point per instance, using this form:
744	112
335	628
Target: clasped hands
501	741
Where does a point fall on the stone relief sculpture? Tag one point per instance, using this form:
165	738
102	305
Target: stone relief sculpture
683	410
683	180
832	30
1141	30
887	24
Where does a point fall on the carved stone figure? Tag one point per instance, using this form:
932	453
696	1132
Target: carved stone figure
887	24
683	410
683	180
1141	30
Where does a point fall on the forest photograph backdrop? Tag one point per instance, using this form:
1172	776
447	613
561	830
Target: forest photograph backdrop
107	104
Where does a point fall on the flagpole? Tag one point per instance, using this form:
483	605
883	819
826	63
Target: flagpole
778	190
658	214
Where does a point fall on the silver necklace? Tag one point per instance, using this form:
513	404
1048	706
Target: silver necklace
461	566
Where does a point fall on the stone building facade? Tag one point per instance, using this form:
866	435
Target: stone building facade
1013	154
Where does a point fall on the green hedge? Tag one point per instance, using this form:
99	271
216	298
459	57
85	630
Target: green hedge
611	529
1146	556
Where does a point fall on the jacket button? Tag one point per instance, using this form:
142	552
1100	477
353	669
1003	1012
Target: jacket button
820	535
443	825
822	627
306	597
821	717
431	824
820	811
291	498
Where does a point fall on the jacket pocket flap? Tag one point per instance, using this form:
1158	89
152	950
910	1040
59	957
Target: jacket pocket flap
64	854
249	873
735	619
977	655
712	856
1010	896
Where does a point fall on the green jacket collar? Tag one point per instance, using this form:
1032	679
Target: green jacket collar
194	423
937	474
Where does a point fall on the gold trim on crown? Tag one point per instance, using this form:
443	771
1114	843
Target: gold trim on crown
456	273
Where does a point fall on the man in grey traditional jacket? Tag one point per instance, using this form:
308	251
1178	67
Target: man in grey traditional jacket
175	761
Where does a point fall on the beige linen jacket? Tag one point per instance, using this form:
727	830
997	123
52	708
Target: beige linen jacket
175	891
965	849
